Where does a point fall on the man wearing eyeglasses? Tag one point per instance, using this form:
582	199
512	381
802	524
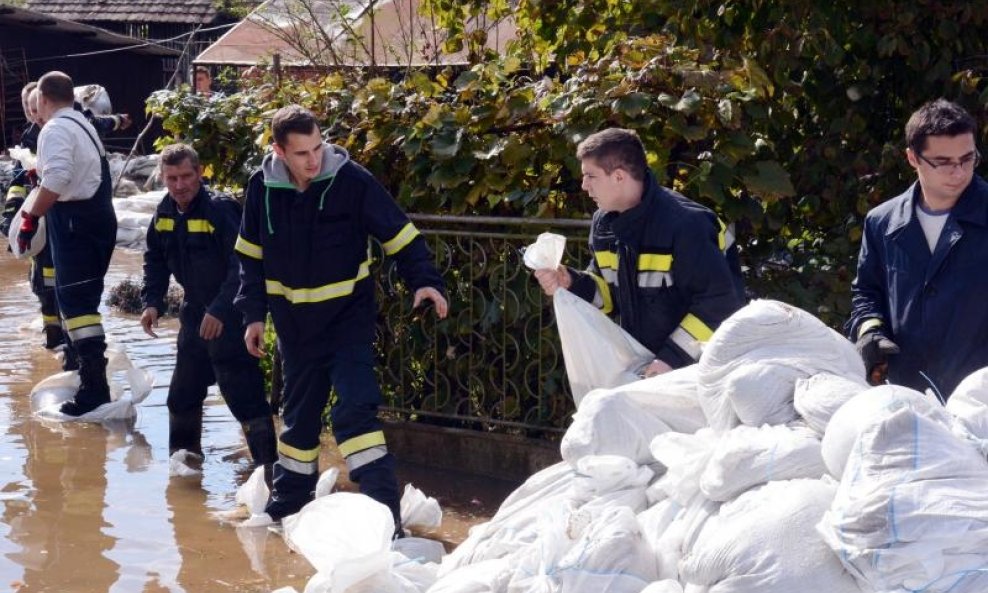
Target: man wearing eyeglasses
918	314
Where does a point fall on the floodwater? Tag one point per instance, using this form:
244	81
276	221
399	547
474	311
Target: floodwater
91	508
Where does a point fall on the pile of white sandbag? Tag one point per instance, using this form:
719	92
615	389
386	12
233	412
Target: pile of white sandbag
134	214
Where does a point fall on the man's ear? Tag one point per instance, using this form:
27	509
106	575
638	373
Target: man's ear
278	150
619	175
911	157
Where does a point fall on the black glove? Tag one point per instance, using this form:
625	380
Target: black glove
29	228
875	350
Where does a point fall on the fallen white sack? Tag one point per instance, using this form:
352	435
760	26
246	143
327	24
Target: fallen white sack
50	393
911	511
624	420
761	392
818	398
597	352
969	403
769	332
418	510
765	541
746	456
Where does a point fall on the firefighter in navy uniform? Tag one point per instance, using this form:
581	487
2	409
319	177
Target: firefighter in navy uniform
304	250
75	194
663	264
191	237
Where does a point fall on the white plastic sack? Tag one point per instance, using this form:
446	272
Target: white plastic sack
418	510
761	392
185	464
771	332
685	456
253	493
39	239
682	534
911	512
345	536
94	98
546	253
819	397
765	541
598	353
488	576
746	456
405	576
666	586
326	482
969	403
624	420
25	157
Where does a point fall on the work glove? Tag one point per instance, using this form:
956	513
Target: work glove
875	349
29	228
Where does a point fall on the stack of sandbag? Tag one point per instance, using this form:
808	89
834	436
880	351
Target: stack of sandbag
134	214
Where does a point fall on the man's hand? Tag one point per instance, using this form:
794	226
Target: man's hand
29	228
211	327
125	121
254	338
875	350
656	367
552	280
428	293
149	320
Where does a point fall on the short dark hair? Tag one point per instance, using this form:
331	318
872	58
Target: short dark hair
615	148
203	70
57	86
176	154
938	118
292	119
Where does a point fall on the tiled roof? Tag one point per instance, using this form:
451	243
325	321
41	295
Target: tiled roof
156	11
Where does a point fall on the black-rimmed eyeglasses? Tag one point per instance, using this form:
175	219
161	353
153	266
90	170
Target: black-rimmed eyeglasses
966	163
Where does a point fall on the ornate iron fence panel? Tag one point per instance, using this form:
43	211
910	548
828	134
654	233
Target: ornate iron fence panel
495	363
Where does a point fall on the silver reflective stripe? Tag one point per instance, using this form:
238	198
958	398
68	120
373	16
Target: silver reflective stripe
692	347
362	458
299	467
729	237
49	283
89	331
654	279
609	276
598	299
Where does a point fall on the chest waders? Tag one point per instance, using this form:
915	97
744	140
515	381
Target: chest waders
83	234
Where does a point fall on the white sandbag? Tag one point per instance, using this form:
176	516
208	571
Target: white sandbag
598	475
682	534
24	156
488	576
969	403
624	420
654	522
864	411
420	549
769	332
94	97
326	482
666	586
418	510
253	493
546	253
761	392
765	541
911	512
40	237
684	456
598	353
818	398
405	576
746	456
345	536
185	464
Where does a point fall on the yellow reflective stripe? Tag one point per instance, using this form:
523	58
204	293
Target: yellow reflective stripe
16	191
82	321
869	325
247	248
654	262
606	305
48	272
50	319
303	455
361	442
606	259
200	225
403	238
700	331
164	224
319	293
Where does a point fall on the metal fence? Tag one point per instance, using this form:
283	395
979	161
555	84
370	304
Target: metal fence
495	363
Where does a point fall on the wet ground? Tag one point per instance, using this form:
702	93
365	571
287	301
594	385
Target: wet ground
92	508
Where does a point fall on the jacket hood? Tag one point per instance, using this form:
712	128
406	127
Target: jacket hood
276	174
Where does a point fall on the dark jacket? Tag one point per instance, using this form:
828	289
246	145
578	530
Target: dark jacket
197	248
306	256
930	304
681	264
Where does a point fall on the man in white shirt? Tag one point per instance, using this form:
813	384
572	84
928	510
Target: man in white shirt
75	194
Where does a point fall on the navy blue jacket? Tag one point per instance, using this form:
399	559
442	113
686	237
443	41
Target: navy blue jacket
306	255
680	263
931	305
197	248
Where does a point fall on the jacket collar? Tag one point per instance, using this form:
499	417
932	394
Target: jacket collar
202	196
971	207
629	223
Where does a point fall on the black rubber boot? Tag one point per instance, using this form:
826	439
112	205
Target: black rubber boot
262	443
185	432
94	390
54	337
70	358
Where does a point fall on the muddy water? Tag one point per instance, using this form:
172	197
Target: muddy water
92	508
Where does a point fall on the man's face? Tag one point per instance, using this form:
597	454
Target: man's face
203	82
32	108
183	181
607	189
26	105
302	154
945	166
46	108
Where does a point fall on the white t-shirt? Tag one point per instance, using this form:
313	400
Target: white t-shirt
68	163
932	223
